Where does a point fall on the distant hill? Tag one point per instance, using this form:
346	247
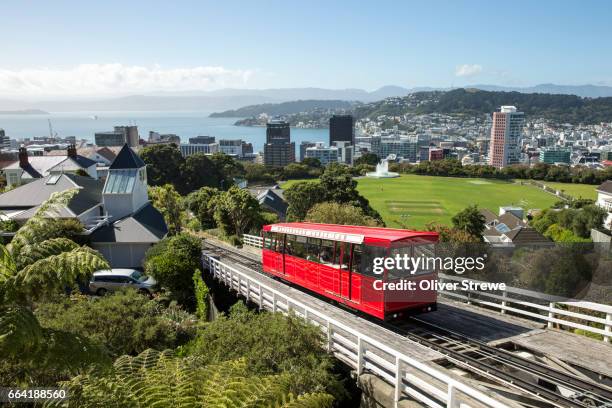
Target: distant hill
561	108
286	108
588	91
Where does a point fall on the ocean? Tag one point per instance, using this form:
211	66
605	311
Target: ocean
83	125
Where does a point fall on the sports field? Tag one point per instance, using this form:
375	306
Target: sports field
575	190
414	201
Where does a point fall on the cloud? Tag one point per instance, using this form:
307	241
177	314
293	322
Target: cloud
113	79
467	70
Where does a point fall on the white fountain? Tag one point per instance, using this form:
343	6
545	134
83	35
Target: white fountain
382	171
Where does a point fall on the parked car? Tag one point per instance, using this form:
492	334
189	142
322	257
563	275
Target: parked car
108	280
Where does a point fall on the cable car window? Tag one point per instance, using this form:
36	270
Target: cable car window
269	240
356	259
296	246
401	250
367	259
312	249
326	255
280	242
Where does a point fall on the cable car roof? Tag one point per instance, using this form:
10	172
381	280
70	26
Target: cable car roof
348	233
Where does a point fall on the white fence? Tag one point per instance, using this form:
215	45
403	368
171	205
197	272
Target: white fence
410	377
526	303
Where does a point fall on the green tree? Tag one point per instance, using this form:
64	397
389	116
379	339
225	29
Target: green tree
301	197
170	203
311	162
202	204
367	158
171	262
163	380
470	220
336	213
237	212
227	168
200	171
164	165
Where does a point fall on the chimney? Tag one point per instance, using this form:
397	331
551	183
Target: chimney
72	151
23	157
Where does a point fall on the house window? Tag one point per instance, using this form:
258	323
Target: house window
142	175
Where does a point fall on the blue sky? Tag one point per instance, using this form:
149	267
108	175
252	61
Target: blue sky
70	47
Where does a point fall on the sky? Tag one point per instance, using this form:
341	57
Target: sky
72	48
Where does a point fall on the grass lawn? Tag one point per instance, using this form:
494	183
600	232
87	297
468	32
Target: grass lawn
412	201
575	190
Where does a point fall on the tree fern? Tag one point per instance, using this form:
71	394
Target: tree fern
56	272
160	379
31	253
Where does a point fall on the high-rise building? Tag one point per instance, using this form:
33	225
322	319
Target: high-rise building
505	137
118	137
202	140
341	129
346	152
5	141
436	154
278	150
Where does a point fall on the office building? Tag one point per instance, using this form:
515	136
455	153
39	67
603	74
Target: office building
156	138
324	154
278	150
552	156
341	129
506	136
401	147
192	148
346	152
118	137
202	140
231	147
303	146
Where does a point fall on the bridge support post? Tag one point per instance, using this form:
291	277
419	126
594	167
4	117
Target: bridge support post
608	327
261	302
273	302
504	303
329	337
451	397
551	314
398	380
359	356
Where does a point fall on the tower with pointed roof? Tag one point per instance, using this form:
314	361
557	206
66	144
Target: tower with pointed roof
125	190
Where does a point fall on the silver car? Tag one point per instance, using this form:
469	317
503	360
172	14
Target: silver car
108	280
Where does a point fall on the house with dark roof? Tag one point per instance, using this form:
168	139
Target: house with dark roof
118	217
28	168
508	229
604	200
271	198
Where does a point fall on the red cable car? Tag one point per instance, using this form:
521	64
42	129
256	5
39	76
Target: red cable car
342	262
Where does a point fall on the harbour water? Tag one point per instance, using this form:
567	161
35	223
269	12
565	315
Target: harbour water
83	125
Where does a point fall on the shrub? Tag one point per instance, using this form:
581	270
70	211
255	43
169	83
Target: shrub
124	322
172	262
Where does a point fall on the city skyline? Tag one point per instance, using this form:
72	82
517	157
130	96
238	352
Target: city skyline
73	49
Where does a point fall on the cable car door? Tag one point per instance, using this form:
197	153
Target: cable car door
344	270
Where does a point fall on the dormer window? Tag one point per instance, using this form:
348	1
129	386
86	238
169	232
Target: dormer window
142	175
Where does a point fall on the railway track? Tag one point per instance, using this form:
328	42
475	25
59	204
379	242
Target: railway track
548	386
